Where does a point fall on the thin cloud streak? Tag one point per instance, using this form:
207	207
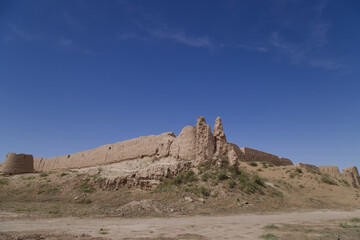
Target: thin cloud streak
65	42
16	33
181	37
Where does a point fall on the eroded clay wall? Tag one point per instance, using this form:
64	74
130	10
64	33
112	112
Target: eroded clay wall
306	166
156	146
330	169
259	156
18	163
353	170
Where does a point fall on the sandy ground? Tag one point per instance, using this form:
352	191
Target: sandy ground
244	226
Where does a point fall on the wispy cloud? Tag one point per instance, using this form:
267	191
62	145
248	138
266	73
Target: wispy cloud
64	42
181	37
309	49
328	64
71	21
251	47
163	32
17	33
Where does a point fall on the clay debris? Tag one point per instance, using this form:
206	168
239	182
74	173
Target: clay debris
148	178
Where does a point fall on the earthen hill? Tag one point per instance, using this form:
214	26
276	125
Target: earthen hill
145	160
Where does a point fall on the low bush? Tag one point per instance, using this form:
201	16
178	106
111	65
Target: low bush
205	191
222	176
232	184
253	164
4	181
328	180
43	175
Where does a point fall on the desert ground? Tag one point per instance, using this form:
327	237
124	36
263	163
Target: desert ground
313	224
210	201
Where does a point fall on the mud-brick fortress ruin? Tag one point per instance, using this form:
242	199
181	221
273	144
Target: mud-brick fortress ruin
162	155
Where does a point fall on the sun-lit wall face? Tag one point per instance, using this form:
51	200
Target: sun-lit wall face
18	163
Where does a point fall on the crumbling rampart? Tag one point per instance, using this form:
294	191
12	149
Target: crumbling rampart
306	166
251	155
350	175
18	163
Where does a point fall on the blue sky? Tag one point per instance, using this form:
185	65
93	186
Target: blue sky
283	75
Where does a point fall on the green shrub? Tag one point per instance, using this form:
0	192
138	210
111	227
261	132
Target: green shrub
253	164
258	180
44	174
355	220
222	176
205	166
205	191
346	225
269	236
87	188
40	192
4	181
63	174
28	178
327	179
205	177
271	226
190	176
232	184
51	190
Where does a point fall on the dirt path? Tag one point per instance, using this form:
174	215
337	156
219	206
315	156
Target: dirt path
245	226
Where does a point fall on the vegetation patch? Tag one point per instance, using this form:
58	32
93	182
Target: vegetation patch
253	164
271	226
43	175
328	180
269	236
4	181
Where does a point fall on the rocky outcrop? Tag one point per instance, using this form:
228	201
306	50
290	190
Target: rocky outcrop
18	163
251	155
184	146
205	144
156	146
148	178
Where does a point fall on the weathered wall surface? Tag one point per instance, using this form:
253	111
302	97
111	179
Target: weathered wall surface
350	175
307	166
195	143
0	167
330	169
355	172
184	146
18	163
156	146
259	156
205	143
